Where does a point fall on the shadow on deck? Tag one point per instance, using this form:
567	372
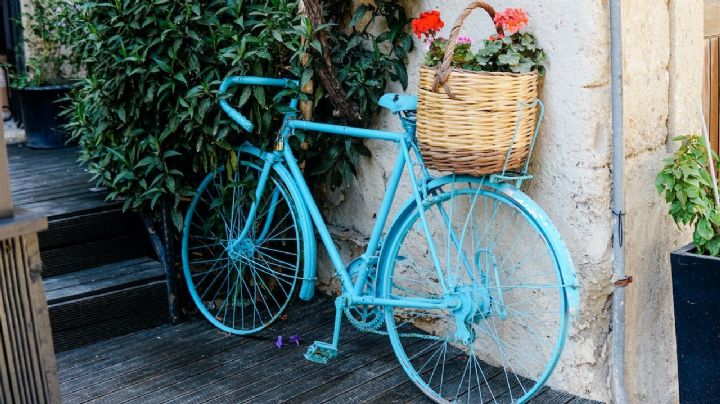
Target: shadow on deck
194	362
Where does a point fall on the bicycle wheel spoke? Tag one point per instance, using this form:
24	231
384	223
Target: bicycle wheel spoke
243	284
493	256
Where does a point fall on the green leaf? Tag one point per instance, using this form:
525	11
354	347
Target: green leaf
401	72
704	229
306	77
359	14
171	153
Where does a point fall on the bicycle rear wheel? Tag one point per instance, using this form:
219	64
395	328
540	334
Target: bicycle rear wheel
502	340
242	275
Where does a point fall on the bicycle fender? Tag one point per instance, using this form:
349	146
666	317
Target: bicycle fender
309	277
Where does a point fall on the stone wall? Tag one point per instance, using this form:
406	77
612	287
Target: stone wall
663	86
572	168
571	164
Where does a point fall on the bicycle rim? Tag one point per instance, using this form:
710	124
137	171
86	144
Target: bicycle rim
241	285
497	257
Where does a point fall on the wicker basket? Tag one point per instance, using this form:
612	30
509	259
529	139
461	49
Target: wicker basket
466	120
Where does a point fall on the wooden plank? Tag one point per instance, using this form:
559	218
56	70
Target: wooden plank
712	19
549	396
65	207
25	328
92	254
517	389
406	391
116	271
253	373
578	400
29	372
105	389
239	366
330	382
114	363
6	202
22	340
14	366
198	358
63	191
706	82
62	188
301	376
105	354
139	277
25	176
91	333
97	309
210	366
51	181
455	371
240	356
81	228
21	223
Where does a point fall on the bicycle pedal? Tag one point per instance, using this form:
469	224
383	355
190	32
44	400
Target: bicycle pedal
320	352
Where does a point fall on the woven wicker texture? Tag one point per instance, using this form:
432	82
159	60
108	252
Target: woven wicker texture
466	120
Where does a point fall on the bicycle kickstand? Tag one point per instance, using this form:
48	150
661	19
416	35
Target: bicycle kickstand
322	352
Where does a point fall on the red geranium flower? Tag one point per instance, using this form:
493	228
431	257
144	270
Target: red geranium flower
512	19
427	24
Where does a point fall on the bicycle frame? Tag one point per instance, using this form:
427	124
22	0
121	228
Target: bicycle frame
405	143
466	286
408	148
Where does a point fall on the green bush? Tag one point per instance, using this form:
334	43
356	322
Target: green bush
147	115
48	39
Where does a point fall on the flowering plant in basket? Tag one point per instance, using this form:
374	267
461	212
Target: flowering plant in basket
509	50
478	110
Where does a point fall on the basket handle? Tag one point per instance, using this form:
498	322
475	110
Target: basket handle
442	74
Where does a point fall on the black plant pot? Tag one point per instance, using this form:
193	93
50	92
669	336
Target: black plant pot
41	107
696	293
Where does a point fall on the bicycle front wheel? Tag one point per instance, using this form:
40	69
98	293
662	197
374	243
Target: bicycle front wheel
242	255
502	337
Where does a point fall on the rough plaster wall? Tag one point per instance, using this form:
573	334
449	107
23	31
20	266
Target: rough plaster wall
571	164
663	85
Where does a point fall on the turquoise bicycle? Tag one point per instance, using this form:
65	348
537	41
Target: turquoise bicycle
471	282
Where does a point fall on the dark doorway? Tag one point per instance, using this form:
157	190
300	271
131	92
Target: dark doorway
11	44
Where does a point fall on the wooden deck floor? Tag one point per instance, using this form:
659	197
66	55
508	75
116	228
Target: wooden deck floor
193	363
51	181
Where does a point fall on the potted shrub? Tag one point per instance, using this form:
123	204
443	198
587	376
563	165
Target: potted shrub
47	78
687	185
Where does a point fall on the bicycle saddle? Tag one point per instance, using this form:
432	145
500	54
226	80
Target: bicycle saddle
398	103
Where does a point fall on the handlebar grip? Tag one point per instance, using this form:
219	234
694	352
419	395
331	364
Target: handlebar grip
252	81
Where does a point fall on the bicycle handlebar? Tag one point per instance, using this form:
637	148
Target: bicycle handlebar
251	81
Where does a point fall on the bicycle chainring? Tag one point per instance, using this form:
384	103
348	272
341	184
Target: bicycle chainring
364	317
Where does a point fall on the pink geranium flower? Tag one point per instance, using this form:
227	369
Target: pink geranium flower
512	19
